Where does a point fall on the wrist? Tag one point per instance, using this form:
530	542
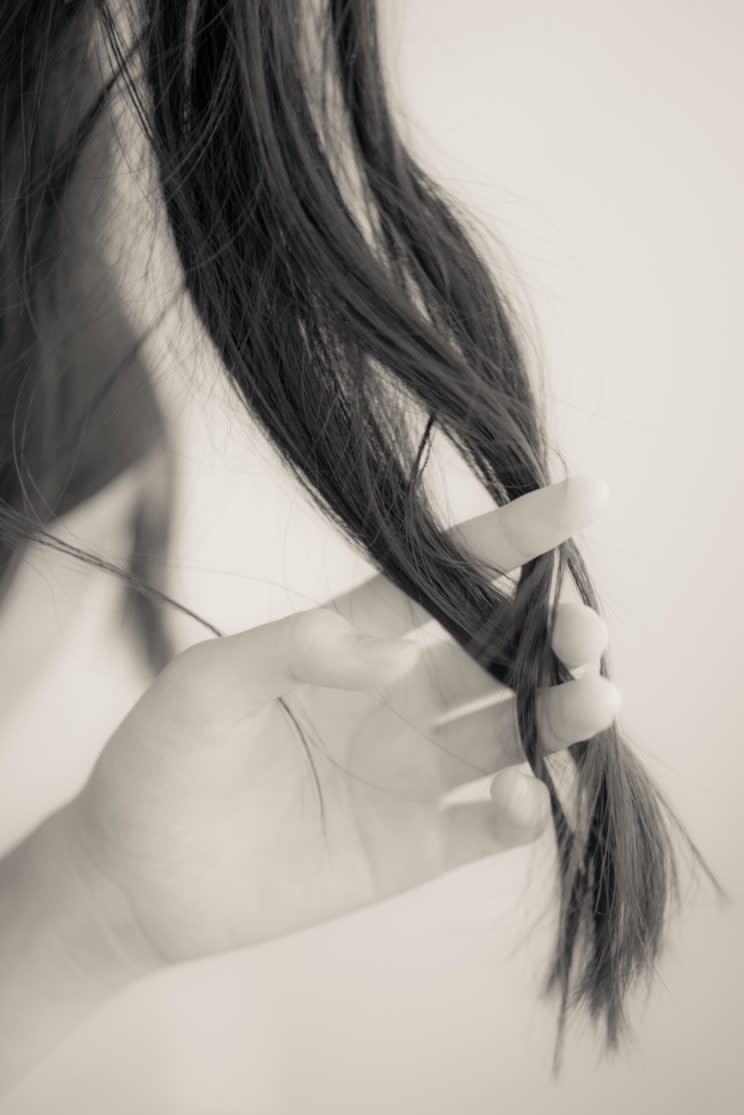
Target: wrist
68	943
94	919
63	923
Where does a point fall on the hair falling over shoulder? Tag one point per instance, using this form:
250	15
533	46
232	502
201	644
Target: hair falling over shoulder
343	291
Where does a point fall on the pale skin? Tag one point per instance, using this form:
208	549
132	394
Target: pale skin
199	830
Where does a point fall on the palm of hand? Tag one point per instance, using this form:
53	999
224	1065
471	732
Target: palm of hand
206	814
249	855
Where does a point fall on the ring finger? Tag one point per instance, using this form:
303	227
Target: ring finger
480	730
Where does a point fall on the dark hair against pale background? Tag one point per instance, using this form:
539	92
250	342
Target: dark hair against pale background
332	332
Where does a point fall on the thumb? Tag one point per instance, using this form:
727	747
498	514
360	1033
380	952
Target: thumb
222	680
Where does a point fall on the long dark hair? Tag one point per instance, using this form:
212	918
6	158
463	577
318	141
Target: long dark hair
334	321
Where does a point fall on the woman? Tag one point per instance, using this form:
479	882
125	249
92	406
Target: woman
277	777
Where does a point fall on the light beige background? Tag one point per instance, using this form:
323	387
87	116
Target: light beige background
602	142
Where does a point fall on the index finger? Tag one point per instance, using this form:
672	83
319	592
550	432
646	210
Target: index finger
505	538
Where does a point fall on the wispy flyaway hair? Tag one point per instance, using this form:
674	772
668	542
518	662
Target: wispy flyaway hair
343	292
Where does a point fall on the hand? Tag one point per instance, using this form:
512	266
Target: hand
204	810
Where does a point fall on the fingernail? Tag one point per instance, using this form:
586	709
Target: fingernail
530	804
587	496
587	706
520	794
468	793
396	653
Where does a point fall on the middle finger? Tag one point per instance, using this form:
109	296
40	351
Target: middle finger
579	638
